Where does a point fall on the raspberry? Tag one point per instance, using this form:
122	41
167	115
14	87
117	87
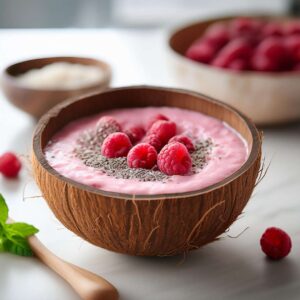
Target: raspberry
296	67
142	156
202	52
135	134
220	62
156	118
292	28
273	49
10	165
272	29
238	48
186	141
249	44
164	130
238	65
108	121
245	26
292	44
217	35
263	64
154	141
174	159
116	145
275	243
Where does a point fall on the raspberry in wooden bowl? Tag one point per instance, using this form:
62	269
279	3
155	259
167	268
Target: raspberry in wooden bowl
171	186
249	63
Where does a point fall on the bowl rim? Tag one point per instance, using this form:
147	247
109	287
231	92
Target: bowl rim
43	122
106	67
183	25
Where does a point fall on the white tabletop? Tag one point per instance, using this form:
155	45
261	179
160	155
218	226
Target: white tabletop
227	269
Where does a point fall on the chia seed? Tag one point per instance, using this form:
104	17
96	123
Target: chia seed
93	139
89	151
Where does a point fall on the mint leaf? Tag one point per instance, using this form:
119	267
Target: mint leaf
13	237
17	245
20	229
3	210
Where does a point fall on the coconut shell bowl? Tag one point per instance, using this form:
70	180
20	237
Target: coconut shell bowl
268	98
36	102
145	225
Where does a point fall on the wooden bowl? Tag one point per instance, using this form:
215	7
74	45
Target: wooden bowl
267	98
165	224
38	101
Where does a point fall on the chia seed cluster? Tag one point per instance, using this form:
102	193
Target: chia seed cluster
89	151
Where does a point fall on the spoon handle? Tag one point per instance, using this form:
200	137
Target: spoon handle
88	286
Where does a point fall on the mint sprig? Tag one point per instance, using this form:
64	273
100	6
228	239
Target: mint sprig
13	236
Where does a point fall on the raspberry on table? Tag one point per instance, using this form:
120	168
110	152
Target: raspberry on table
164	130
116	144
183	139
156	118
10	165
142	156
109	121
135	133
275	243
174	159
154	141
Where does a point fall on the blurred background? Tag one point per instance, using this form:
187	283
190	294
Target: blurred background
125	13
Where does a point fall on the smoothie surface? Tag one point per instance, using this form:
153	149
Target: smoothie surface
227	154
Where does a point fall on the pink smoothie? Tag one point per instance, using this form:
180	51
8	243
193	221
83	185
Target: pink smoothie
228	154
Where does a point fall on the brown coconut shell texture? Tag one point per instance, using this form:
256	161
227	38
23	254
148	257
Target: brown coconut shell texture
147	225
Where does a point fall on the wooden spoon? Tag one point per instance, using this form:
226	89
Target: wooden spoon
87	285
